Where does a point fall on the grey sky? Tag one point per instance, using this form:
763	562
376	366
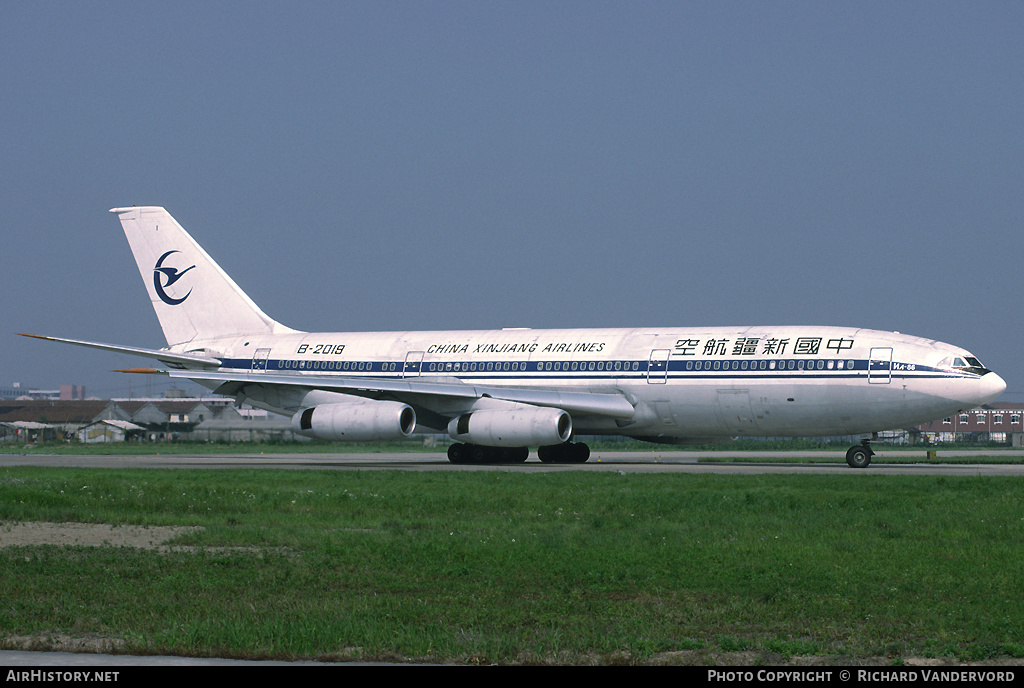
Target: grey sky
463	165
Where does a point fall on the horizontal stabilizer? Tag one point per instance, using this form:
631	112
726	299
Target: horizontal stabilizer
173	359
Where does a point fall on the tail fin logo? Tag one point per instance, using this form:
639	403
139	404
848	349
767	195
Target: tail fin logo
163	278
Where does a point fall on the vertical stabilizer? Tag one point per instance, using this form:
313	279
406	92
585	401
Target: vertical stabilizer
192	296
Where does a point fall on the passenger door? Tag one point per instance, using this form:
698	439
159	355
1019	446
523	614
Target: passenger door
880	365
657	367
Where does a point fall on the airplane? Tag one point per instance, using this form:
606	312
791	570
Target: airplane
497	393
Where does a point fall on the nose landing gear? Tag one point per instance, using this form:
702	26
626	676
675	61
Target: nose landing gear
859	456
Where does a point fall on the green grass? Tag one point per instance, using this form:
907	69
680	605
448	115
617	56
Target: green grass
507	567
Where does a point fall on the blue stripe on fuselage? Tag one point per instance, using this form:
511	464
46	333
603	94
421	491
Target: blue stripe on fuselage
598	370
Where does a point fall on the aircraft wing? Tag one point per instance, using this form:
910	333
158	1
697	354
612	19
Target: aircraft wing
196	367
590	403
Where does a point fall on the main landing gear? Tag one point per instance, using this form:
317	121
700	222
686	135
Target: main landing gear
570	452
478	454
859	456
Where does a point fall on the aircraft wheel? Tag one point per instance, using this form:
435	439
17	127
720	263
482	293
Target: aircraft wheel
570	452
549	454
458	453
858	456
515	454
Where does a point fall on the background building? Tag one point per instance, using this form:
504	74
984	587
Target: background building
154	420
996	422
16	390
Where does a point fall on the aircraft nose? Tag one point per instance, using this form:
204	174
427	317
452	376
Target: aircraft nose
990	387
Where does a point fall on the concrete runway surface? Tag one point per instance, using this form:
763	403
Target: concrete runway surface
627	462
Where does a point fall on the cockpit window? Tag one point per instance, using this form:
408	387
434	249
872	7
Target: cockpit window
968	364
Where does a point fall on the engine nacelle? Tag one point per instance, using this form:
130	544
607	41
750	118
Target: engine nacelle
529	426
361	420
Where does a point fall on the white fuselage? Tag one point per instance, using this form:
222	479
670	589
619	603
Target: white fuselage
683	382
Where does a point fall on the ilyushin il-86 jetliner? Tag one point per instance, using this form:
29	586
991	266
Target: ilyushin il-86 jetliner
497	393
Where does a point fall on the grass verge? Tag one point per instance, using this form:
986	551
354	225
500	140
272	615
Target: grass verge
507	567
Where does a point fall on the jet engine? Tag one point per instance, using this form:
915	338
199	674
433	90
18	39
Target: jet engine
519	427
360	420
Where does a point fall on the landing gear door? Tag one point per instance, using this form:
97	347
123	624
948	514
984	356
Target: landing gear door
880	366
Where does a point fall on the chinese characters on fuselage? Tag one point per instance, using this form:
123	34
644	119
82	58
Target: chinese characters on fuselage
769	346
